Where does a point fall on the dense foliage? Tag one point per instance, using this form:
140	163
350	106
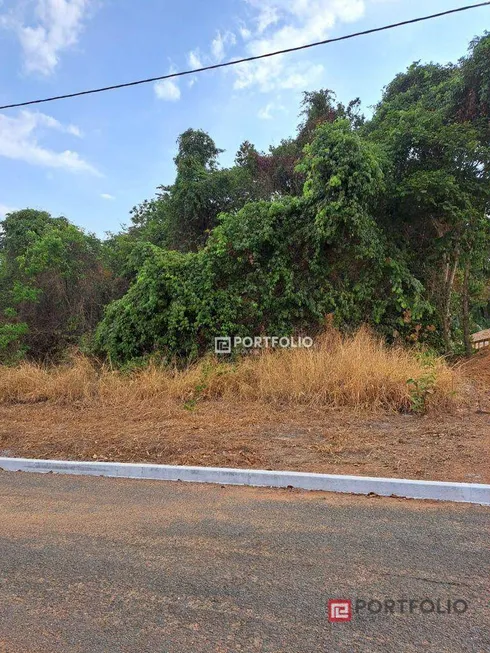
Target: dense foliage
382	221
53	285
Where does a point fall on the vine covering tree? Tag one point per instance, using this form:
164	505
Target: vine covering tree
382	221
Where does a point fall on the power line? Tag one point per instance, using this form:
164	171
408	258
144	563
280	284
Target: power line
246	59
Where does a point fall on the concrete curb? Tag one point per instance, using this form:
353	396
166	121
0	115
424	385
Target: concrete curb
410	489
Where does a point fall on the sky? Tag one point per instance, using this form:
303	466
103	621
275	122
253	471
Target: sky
93	158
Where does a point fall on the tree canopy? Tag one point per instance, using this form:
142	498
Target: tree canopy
381	220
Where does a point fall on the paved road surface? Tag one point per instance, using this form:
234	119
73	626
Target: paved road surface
92	565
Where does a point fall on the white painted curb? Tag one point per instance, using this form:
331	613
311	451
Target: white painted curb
410	489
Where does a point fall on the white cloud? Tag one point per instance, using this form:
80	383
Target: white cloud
107	196
167	89
273	75
281	24
74	131
47	28
245	33
268	16
194	59
302	77
43	120
266	112
19	141
217	50
219	44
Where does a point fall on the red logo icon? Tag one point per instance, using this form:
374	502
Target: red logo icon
339	610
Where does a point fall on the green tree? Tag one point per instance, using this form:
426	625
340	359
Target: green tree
437	170
321	106
53	284
273	267
182	214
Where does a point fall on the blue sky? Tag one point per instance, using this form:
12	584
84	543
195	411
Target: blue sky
93	158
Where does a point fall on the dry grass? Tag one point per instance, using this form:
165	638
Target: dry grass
358	372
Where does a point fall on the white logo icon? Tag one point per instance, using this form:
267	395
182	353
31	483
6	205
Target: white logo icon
339	610
222	345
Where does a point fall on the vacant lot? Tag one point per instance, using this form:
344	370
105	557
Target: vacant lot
454	447
345	408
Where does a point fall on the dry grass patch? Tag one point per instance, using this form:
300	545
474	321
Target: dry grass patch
358	372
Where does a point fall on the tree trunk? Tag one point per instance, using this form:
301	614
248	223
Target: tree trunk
466	312
449	276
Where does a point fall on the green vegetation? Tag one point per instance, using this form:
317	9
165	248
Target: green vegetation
382	221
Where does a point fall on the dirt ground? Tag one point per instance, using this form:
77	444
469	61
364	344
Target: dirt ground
449	447
252	435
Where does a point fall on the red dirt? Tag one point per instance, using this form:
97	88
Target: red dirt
441	447
478	369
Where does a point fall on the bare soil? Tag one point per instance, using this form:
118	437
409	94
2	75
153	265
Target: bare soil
216	433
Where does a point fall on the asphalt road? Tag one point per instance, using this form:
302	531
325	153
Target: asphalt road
96	565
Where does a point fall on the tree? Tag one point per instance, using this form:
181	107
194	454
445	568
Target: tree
437	168
273	267
471	100
384	221
197	146
183	214
319	107
53	284
246	157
